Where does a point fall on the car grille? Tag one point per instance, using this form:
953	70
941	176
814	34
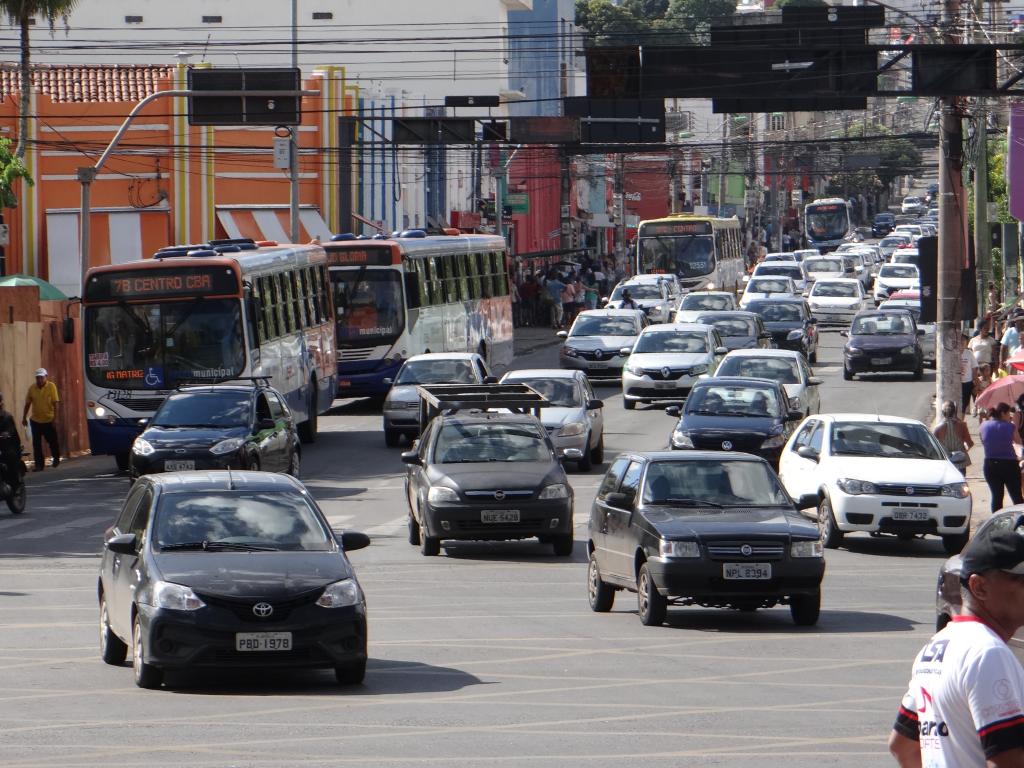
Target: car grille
140	404
242	607
903	489
882	352
739	443
348	355
490	494
526	524
658	374
733	550
597	354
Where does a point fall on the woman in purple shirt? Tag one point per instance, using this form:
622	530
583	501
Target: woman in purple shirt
1002	470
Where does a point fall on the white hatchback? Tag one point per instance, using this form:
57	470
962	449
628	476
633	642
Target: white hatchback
877	474
766	287
836	300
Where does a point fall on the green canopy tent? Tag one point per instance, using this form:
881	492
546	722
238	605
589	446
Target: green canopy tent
47	292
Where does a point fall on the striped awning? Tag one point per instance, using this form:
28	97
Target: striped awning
271	222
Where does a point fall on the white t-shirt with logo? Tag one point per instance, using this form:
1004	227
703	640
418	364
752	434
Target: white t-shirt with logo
966	697
968	362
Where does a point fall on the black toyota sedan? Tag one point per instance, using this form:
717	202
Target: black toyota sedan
883	341
706	528
790	323
735	414
488	476
219	570
221	426
738	329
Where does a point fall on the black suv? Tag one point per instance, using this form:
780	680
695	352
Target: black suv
487	476
706	528
218	426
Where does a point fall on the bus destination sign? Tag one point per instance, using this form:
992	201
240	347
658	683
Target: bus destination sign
676	228
824	208
359	257
162	283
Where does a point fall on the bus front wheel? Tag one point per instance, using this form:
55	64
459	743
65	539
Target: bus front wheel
308	428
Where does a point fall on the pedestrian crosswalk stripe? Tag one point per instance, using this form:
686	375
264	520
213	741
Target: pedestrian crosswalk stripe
78	522
391	528
14	521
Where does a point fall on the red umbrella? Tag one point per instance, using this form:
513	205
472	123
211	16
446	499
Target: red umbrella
1004	390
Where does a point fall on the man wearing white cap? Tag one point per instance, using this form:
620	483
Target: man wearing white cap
42	399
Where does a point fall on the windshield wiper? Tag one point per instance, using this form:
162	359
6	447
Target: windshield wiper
217	546
853	452
687	501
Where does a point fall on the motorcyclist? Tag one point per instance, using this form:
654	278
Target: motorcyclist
10	447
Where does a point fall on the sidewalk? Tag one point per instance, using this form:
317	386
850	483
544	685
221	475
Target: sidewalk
976	480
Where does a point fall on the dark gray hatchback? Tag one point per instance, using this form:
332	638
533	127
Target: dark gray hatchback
228	569
703	527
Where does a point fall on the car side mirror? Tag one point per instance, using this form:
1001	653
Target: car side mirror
490	379
807	501
387	382
142	422
619	500
412	457
812	320
123	544
67	328
562	334
958	457
265	423
806	452
572	454
593	405
844	334
794	416
721	350
626	351
673	411
353	540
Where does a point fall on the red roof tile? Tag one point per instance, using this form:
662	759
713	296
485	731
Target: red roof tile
87	83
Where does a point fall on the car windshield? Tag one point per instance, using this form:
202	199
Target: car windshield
768	286
561	393
697	301
899	441
672	341
730	326
882	324
823	265
490	441
780	369
215	520
898	270
734	400
436	372
715	483
776	312
912	306
604	326
837	290
904	258
203	409
637	291
782	270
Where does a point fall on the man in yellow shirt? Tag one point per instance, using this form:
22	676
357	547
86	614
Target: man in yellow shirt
42	399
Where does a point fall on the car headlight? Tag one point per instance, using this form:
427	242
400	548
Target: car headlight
571	430
681	439
176	597
341	594
855	487
795	335
908	350
775	441
439	494
636	370
854	351
698	370
554	491
142	447
956	490
230	445
807	549
570	352
678	549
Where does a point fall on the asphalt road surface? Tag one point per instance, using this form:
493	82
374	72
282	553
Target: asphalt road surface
487	655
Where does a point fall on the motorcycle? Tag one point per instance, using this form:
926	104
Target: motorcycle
14	494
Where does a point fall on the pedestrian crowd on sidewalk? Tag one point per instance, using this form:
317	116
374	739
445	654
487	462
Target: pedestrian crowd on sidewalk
552	296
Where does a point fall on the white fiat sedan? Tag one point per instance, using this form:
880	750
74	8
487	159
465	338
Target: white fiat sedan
667	360
878	474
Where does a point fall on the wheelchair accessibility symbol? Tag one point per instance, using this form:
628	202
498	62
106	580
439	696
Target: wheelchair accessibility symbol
154	377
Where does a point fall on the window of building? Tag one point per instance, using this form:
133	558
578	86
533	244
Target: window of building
213	19
777	121
322	15
132	19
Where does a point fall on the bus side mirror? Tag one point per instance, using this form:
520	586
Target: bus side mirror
412	291
68	330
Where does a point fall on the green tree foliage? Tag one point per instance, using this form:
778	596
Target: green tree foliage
801	4
11	169
650	22
21	14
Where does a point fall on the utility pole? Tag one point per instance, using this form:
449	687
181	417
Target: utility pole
724	163
951	234
293	144
982	239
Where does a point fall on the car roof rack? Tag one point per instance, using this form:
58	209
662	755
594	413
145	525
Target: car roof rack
436	399
259	381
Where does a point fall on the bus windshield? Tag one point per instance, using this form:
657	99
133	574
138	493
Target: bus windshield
685	255
368	304
828	224
157	345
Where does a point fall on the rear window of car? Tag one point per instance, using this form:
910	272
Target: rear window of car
720	483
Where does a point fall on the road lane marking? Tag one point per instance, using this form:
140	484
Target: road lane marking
80	522
391	528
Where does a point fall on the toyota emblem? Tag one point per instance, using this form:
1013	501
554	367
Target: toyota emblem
910	490
263	610
666	372
499	495
746	550
726	445
598	354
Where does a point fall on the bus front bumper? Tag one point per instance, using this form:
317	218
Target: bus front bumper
112	439
369	384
